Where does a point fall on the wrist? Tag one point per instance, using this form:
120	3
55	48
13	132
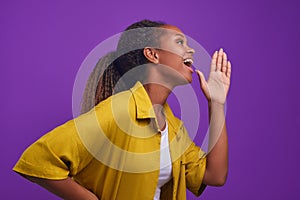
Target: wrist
217	105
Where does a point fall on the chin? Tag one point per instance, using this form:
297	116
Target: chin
184	81
188	79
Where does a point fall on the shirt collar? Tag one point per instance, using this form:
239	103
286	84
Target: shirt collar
145	109
142	102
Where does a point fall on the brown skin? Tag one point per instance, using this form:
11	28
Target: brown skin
169	71
172	50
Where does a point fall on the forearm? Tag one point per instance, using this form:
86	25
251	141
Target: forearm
217	158
67	188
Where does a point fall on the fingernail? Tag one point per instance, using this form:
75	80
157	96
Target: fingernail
221	49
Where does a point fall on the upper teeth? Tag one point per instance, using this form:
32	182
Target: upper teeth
188	60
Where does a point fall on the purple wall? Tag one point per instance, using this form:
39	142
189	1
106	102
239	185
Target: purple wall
44	44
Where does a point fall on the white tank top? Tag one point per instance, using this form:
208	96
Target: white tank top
165	172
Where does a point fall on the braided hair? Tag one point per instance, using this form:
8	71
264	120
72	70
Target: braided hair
102	82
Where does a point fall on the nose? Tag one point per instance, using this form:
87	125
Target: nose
191	50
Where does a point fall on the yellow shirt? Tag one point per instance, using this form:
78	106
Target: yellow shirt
114	151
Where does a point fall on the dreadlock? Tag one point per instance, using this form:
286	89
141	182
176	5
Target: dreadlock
110	68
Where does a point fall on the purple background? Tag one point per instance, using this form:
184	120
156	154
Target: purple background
44	43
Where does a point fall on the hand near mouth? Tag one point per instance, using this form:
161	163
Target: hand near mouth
217	86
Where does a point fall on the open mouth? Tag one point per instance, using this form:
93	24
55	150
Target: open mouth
188	62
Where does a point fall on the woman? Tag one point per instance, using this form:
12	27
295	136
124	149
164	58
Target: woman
130	145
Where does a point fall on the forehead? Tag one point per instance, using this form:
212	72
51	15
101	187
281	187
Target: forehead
172	28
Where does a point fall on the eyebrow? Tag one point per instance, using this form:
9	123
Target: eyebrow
178	34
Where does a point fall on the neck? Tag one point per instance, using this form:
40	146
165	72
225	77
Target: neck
158	94
156	85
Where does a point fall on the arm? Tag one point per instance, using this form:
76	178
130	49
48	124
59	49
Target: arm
66	188
217	158
216	90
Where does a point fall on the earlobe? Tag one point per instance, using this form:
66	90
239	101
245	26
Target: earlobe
151	55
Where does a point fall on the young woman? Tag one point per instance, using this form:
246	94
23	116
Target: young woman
127	144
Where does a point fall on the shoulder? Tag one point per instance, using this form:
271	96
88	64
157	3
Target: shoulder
116	104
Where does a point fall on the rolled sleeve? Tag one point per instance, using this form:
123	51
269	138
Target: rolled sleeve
54	156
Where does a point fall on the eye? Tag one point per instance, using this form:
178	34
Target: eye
181	42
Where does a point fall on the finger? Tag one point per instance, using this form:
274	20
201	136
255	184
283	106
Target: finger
213	66
228	72
201	78
203	84
224	63
219	60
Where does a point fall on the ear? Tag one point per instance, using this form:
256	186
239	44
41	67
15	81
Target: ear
151	54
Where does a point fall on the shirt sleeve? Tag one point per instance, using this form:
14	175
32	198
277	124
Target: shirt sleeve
194	160
56	155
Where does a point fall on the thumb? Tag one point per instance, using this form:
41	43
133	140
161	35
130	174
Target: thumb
201	78
203	84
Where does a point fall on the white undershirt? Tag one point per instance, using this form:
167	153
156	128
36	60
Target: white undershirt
165	173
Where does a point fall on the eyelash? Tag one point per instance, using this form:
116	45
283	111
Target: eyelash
181	42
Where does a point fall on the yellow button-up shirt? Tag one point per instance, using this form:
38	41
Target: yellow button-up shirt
114	151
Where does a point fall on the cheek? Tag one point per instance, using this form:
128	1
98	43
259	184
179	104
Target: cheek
172	49
171	60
